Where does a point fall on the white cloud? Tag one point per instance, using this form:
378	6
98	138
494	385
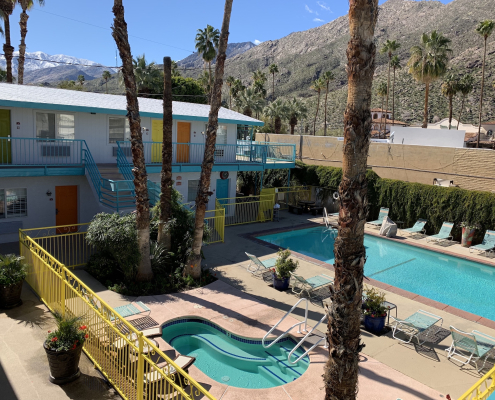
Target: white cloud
318	20
310	10
257	42
323	5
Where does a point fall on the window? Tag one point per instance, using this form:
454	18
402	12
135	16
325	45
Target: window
192	190
54	126
375	116
13	203
221	134
118	129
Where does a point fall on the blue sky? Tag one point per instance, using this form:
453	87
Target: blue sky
172	24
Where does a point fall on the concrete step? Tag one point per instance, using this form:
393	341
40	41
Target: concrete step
110	171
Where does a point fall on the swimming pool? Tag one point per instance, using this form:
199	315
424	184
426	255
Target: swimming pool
454	281
231	359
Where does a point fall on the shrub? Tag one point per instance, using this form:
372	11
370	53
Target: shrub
12	269
284	265
373	302
68	335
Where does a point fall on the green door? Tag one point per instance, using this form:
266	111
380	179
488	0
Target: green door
5	153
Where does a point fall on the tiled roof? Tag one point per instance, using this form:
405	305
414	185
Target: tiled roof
72	100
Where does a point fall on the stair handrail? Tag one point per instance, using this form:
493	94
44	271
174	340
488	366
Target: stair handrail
92	168
305	322
304	339
123	164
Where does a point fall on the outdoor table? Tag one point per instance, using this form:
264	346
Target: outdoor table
390	306
306	204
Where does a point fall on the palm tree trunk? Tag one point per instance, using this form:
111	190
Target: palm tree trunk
106	86
273	86
7	48
316	114
325	126
209	82
119	33
388	91
460	111
292	128
166	176
230	99
22	46
481	97
278	125
425	114
193	267
341	372
381	122
450	110
393	100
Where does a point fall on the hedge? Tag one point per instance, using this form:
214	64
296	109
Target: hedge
409	201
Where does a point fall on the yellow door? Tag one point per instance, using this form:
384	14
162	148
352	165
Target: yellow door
156	136
66	208
5	152
183	136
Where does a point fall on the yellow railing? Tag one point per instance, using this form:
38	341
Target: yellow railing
482	389
246	210
121	352
215	219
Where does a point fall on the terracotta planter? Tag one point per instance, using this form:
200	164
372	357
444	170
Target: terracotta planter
64	365
10	296
467	237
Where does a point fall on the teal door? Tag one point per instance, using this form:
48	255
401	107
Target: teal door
223	190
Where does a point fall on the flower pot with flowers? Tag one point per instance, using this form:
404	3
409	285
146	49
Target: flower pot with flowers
63	348
283	267
374	311
468	230
13	271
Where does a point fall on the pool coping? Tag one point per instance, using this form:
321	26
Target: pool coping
384	286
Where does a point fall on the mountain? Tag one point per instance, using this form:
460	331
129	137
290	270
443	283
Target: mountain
233	49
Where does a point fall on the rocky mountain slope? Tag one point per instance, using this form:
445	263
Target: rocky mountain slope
233	49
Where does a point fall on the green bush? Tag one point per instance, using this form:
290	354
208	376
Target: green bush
12	269
285	265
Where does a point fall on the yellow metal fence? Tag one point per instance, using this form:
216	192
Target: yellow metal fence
482	389
215	220
248	209
124	356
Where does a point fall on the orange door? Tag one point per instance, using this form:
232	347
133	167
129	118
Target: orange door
183	136
66	208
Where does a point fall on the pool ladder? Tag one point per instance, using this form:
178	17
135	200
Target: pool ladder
299	324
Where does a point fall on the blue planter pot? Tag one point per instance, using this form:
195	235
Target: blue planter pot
280	284
375	324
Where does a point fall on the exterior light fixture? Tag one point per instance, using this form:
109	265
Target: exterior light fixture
48	193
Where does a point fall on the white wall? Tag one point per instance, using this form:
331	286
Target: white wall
428	137
41	208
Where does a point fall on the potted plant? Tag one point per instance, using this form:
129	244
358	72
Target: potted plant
63	348
375	312
283	267
468	230
13	271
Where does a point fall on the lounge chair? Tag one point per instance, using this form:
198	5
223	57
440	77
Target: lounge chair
183	362
311	284
470	347
417	228
418	323
128	310
487	245
383	214
256	266
444	234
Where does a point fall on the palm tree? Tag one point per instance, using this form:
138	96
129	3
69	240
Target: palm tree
273	69
80	79
428	62
317	85
119	33
389	47
204	80
194	261
207	45
26	5
175	69
149	78
106	76
237	88
296	110
6	10
485	29
230	81
344	314
327	77
260	76
382	92
277	110
395	64
449	88
249	101
466	85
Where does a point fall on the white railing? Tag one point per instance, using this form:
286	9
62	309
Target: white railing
304	339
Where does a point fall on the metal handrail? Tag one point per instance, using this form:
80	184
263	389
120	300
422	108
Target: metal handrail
304	339
305	322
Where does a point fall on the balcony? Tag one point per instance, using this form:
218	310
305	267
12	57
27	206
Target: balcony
187	157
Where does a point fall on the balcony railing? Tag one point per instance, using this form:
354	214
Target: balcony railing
192	153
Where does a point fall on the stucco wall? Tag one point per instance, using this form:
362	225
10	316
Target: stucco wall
469	168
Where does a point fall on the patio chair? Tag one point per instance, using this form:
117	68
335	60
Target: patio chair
311	284
383	214
417	228
487	245
470	347
256	266
414	325
128	310
154	377
444	234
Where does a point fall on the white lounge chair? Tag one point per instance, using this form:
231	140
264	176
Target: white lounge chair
418	323
487	245
309	285
444	234
256	266
417	228
383	214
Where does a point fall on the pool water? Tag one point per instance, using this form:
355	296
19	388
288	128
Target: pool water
234	360
460	283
